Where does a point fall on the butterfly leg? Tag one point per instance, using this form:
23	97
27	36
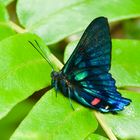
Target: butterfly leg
70	99
56	88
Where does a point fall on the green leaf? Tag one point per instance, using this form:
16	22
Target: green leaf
10	122
126	124
5	30
69	49
22	70
53	20
125	61
3	13
96	137
6	2
52	118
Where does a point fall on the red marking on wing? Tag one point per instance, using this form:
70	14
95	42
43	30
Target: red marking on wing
95	101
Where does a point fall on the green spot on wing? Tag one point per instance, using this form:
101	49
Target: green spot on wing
81	76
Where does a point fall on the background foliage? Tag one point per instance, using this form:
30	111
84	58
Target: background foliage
29	108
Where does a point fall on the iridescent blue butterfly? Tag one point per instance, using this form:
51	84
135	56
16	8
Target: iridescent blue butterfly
85	77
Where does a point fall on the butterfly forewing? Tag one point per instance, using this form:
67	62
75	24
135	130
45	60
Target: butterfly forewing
93	47
87	70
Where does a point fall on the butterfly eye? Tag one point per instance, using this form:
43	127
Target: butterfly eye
54	74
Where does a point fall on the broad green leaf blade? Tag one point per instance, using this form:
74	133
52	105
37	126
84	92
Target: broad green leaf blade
52	118
5	30
6	2
96	137
10	122
3	13
125	61
126	124
22	70
55	20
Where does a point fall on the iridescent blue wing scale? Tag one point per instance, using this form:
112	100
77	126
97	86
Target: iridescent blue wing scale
87	70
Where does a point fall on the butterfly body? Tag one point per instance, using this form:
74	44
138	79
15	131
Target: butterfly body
60	82
85	77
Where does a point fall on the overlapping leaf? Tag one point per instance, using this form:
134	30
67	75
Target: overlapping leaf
53	119
5	30
55	20
6	2
22	70
3	13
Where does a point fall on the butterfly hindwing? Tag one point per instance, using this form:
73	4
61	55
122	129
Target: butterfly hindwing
87	70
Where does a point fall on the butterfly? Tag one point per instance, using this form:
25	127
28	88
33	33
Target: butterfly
85	77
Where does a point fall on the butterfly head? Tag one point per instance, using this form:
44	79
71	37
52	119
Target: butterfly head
55	76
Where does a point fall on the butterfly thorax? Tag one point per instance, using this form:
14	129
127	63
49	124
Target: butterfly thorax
60	82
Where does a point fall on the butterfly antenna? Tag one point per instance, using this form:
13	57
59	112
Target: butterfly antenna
70	100
39	49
